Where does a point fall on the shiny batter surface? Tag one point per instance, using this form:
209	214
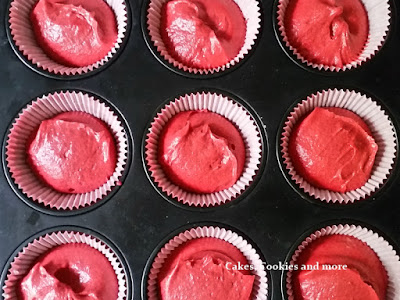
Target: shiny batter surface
74	33
333	149
364	278
203	33
329	32
201	151
198	270
73	152
70	272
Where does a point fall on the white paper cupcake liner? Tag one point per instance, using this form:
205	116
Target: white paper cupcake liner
23	261
225	107
379	21
378	122
260	286
24	38
27	121
386	253
252	16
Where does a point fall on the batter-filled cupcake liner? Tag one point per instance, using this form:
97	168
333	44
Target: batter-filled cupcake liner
23	261
225	107
30	118
260	286
24	38
379	22
385	252
251	14
378	122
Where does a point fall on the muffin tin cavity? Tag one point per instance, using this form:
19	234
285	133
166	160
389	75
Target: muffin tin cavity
233	109
262	279
22	39
379	17
386	253
151	23
24	182
375	117
34	247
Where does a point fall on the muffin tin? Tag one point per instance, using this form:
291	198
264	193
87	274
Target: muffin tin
271	215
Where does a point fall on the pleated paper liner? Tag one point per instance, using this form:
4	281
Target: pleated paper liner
226	107
260	287
152	32
379	14
378	122
385	252
32	250
30	118
22	38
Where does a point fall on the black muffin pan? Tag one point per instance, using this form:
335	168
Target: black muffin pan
136	219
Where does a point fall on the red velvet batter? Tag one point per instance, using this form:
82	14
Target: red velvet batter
73	272
364	279
73	152
198	267
201	151
203	33
332	148
74	33
329	32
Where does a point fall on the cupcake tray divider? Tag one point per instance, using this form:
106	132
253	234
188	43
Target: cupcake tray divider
272	215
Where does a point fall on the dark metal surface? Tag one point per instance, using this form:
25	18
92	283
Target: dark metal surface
137	218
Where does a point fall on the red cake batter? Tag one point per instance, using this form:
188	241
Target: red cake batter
364	278
73	152
201	151
329	32
203	33
332	148
199	267
73	272
74	33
